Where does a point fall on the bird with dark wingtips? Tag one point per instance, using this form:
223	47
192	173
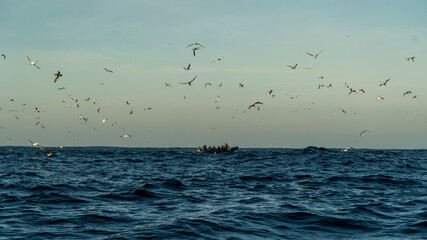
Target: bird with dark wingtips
108	70
355	91
364	131
314	55
4	56
189	82
384	83
195	44
407	92
293	67
187	68
194	51
33	63
254	104
411	58
58	75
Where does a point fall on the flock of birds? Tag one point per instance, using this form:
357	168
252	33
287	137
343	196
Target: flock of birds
195	47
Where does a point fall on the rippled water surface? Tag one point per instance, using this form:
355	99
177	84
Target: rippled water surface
131	193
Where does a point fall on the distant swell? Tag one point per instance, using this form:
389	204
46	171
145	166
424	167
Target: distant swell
148	193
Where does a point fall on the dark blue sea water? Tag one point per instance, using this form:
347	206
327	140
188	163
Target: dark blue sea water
131	193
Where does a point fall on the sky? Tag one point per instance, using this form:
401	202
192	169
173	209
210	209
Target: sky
144	43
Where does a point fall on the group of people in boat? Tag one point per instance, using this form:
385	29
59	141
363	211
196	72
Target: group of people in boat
214	149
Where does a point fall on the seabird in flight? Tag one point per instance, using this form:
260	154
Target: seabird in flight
147	108
314	55
189	82
194	51
293	67
61	88
411	58
380	98
168	85
270	91
108	70
240	85
208	84
218	59
384	83
125	136
195	44
355	91
104	120
34	144
407	92
4	56
364	131
187	68
253	105
58	75
33	63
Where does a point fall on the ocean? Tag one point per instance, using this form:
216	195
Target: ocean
175	193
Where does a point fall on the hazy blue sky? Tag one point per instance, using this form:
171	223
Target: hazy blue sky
144	43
